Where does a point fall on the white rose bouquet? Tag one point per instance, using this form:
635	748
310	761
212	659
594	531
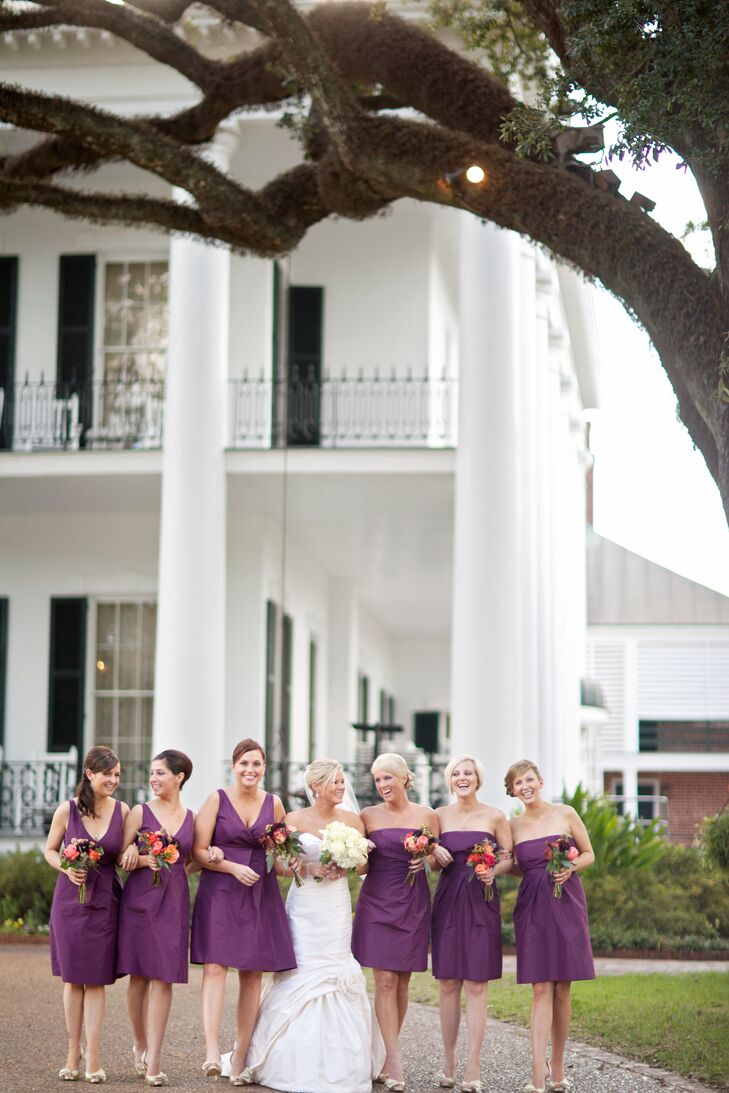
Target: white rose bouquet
343	846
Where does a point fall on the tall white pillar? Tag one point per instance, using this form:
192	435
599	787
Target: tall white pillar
190	653
485	649
342	666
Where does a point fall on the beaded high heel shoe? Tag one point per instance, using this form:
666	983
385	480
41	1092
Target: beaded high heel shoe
476	1086
68	1074
96	1077
140	1062
444	1081
211	1069
394	1085
559	1087
244	1078
156	1079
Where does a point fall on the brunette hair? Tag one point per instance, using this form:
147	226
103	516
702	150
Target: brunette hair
394	764
456	762
516	770
177	762
98	759
247	745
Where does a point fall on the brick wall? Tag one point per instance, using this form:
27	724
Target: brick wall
691	797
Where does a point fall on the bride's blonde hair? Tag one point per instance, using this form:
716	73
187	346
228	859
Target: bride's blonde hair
320	772
394	764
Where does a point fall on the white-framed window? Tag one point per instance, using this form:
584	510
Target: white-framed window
134	320
123	687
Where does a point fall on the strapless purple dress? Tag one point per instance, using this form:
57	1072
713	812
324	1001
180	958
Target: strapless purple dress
552	935
154	920
234	924
83	935
466	928
392	920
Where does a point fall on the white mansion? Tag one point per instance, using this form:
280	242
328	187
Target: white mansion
240	497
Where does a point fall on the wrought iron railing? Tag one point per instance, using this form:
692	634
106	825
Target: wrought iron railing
365	410
30	792
53	416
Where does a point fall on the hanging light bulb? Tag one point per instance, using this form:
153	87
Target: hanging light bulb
475	174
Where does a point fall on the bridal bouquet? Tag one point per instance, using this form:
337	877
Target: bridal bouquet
279	840
481	858
83	854
559	855
343	846
419	844
160	846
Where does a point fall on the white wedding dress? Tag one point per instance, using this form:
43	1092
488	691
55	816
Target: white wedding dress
316	1032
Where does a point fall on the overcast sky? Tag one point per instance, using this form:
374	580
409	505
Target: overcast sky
653	493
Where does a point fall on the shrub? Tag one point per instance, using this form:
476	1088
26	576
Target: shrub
715	841
619	842
26	884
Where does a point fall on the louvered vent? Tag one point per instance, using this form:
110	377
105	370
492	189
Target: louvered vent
606	664
688	679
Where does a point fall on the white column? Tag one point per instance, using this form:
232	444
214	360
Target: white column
342	666
190	672
485	650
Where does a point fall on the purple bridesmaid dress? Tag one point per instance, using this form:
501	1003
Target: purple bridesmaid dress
392	920
552	935
234	924
83	935
154	920
466	929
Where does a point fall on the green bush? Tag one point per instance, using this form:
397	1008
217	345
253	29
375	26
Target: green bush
26	887
715	841
619	842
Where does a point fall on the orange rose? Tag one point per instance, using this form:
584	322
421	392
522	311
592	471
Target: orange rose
172	854
481	870
94	855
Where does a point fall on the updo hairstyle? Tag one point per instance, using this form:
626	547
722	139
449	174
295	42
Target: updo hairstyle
516	770
244	746
177	762
396	765
320	772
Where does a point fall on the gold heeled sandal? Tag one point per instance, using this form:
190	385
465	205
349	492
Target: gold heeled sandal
394	1086
244	1078
156	1079
68	1074
559	1087
212	1069
444	1081
140	1062
96	1077
381	1078
476	1086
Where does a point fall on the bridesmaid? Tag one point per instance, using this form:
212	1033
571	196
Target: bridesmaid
154	921
83	935
392	921
239	919
466	929
552	935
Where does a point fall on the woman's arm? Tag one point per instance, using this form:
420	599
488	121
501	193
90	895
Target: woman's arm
440	858
57	830
129	858
203	852
505	841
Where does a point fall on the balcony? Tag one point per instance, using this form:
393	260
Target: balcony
51	416
362	411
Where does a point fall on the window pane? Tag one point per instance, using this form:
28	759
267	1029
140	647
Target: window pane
105	722
106	624
149	629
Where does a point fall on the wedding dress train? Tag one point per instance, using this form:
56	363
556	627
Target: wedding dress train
316	1032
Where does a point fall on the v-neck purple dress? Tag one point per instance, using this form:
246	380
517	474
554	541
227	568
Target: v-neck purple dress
238	925
154	920
552	935
466	928
83	935
392	922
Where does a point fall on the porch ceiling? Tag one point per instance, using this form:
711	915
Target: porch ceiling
384	523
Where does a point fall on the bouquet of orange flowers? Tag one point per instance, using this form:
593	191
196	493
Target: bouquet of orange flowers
559	855
282	841
481	858
419	844
160	846
82	854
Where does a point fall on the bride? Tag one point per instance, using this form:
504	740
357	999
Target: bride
315	1031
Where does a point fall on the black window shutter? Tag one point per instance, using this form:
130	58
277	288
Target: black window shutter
67	674
3	663
8	301
75	367
306	305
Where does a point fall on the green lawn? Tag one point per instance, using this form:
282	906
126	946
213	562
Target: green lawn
679	1022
